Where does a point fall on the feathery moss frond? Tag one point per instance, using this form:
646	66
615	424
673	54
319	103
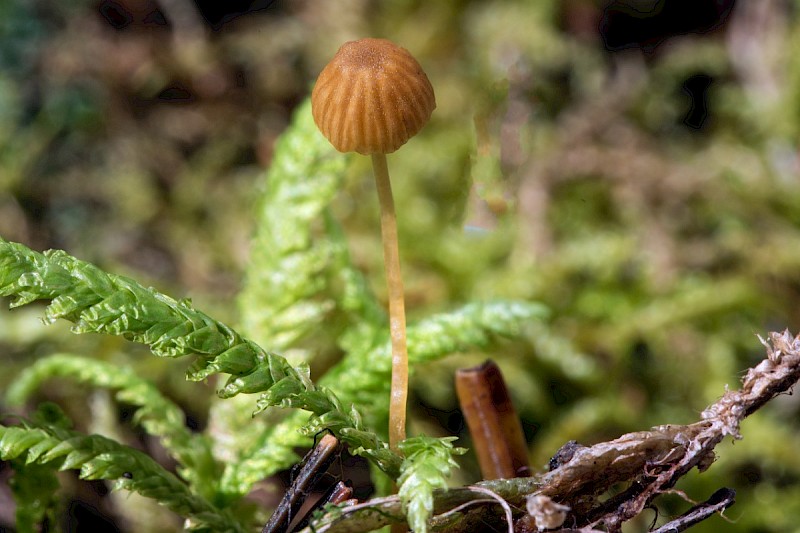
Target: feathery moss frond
35	492
97	457
283	295
473	326
362	378
105	303
427	465
157	415
299	392
96	301
300	272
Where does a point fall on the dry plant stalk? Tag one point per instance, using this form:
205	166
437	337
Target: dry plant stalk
650	461
496	431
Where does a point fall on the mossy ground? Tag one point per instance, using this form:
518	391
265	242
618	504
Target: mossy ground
649	197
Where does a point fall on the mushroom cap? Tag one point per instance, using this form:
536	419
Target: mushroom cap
372	97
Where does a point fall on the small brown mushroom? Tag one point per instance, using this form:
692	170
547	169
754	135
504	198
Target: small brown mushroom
371	98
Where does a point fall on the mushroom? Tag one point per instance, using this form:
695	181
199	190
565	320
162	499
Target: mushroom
371	98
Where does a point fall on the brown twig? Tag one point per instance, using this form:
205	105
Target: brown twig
315	464
651	461
341	493
493	422
717	503
694	447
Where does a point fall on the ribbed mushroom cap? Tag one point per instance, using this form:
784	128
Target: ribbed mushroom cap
372	97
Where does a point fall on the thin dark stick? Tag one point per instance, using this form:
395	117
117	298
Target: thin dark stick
315	464
338	493
718	502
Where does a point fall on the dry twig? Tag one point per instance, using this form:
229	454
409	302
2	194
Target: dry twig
651	462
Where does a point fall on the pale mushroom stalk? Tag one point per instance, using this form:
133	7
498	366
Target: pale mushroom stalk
371	98
397	307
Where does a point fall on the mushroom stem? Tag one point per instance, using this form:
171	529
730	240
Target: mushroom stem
397	312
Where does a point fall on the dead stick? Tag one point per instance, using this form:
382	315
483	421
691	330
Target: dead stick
718	502
493	422
339	493
315	464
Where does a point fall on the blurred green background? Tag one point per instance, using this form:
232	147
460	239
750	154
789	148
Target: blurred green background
634	165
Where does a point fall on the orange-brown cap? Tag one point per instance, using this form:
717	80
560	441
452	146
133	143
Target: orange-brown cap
372	97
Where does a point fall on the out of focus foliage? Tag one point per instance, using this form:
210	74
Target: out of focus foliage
644	183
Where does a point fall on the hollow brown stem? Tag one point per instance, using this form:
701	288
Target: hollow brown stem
397	312
493	423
